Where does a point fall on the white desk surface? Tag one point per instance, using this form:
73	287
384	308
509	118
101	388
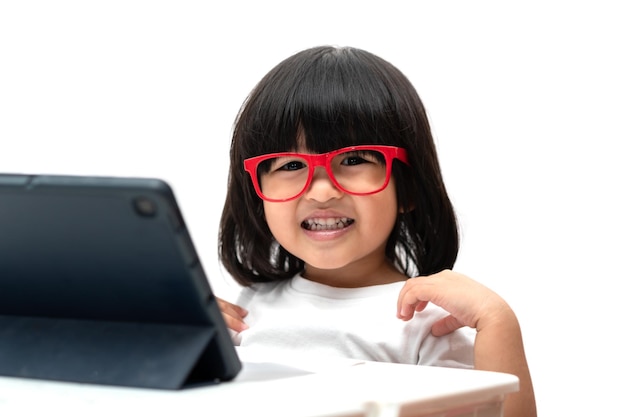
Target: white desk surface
285	388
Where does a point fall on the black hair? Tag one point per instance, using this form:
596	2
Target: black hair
336	97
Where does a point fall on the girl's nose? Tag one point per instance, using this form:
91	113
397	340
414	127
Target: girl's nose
322	187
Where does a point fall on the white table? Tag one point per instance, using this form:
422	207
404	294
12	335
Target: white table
279	388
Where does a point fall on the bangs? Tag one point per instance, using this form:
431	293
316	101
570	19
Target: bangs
333	99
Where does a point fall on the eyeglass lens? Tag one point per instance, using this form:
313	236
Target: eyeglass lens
358	172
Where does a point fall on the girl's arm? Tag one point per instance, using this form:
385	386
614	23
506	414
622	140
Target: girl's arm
498	345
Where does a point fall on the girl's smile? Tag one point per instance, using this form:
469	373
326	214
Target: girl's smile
331	223
326	228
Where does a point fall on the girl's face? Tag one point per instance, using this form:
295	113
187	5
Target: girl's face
340	237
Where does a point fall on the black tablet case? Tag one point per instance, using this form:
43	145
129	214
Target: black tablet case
100	283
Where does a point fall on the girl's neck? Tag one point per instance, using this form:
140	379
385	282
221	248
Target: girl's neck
355	275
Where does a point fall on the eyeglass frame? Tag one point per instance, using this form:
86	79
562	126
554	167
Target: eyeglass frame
390	153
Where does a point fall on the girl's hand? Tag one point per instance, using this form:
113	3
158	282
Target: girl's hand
233	315
468	302
498	346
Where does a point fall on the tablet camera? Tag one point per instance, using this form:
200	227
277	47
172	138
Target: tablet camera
145	207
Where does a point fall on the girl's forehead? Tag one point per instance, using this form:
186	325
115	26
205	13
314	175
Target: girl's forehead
301	141
300	144
324	140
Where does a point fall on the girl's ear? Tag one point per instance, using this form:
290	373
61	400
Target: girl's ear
403	210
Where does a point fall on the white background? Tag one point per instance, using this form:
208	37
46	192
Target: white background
526	100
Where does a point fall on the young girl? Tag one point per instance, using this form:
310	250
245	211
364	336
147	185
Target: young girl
335	201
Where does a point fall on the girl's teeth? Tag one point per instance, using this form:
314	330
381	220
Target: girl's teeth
327	223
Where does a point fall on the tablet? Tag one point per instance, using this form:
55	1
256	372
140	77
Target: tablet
100	283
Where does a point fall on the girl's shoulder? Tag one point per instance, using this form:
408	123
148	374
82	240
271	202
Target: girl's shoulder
262	289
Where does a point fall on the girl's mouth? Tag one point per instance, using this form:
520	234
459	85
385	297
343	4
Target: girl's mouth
331	223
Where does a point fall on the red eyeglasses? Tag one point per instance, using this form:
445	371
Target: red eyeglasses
358	170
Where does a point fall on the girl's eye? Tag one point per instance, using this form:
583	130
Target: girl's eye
357	158
353	160
284	164
292	166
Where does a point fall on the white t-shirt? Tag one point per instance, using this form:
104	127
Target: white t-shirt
299	316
